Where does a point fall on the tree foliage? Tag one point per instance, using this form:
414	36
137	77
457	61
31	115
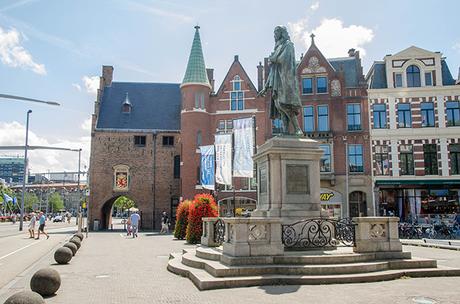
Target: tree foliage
30	199
182	219
56	202
124	203
203	205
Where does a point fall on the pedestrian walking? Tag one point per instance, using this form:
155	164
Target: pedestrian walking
128	226
33	220
135	218
164	223
41	227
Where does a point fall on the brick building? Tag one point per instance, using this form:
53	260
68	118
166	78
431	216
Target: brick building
415	132
146	136
335	113
207	111
135	149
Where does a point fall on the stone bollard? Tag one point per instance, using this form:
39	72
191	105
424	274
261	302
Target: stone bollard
25	297
45	281
79	235
63	255
76	241
72	247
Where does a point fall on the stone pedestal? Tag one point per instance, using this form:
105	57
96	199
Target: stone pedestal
208	238
289	179
377	234
245	237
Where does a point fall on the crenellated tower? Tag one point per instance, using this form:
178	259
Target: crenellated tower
195	118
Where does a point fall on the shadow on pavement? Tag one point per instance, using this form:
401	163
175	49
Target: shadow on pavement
281	289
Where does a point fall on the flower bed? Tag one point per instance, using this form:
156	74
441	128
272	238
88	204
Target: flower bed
180	229
203	205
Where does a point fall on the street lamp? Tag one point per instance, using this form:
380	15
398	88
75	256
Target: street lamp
21	220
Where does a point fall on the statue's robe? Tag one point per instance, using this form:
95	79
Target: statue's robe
283	81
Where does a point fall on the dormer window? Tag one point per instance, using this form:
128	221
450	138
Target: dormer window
413	76
237	95
126	108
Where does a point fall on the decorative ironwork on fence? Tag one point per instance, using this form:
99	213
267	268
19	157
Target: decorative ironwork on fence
219	231
318	233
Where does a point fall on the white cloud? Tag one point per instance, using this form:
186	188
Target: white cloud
13	54
456	47
13	133
86	125
91	84
77	86
332	37
314	6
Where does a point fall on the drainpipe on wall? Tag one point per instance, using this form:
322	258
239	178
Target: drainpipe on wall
154	177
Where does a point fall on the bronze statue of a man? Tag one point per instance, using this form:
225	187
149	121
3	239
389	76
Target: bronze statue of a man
282	80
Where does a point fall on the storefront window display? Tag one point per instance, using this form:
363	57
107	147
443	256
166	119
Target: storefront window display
419	205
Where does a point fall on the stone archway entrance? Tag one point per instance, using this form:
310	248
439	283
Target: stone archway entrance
357	204
107	211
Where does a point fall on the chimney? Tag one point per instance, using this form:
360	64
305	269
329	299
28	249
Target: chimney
351	53
266	68
236	58
107	75
260	76
210	73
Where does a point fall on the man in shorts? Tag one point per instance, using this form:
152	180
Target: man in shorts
33	220
135	217
41	227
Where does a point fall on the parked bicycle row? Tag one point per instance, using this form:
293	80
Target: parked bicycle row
429	231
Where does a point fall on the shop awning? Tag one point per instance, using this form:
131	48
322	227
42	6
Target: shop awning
418	182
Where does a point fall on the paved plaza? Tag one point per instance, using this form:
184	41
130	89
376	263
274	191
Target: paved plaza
111	268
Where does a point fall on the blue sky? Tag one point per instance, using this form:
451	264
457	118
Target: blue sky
53	49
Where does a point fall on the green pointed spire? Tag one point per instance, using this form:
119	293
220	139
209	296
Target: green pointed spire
196	69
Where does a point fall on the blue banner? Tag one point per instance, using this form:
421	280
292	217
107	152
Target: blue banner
207	167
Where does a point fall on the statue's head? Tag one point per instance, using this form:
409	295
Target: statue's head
281	33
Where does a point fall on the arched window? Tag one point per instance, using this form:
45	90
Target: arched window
198	139
413	76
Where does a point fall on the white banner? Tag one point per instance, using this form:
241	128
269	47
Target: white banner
223	144
207	167
244	147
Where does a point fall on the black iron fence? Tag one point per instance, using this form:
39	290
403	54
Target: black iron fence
219	231
319	233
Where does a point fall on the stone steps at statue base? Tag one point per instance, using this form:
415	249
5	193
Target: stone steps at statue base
218	269
340	256
205	281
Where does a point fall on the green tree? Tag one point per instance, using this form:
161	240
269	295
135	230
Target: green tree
124	203
30	199
55	202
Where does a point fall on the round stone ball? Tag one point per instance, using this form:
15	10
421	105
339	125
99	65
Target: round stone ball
72	247
79	235
45	281
25	297
63	255
76	241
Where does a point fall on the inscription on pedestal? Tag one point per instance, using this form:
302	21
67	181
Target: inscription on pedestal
263	180
297	179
